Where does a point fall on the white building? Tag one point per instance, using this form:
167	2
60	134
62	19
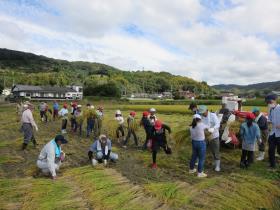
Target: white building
47	92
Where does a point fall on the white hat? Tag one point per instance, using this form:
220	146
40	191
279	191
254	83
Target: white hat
118	112
196	116
152	110
102	136
79	106
92	107
25	106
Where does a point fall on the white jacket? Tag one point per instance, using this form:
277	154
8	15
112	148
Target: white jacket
212	121
47	157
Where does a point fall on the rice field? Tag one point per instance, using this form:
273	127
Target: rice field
130	183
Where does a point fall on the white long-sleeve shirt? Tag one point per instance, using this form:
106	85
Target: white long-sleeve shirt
27	117
212	121
47	155
63	113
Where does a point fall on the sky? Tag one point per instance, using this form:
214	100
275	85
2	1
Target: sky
217	41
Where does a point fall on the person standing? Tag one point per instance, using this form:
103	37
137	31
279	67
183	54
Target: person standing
43	111
145	122
90	116
131	129
274	136
63	113
120	128
51	156
152	116
250	134
159	140
28	124
261	120
193	108
98	121
198	146
72	119
55	110
211	120
78	115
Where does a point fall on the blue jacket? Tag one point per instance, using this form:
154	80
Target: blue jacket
250	134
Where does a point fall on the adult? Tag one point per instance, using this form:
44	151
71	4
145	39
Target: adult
261	120
274	119
225	112
73	109
198	146
28	123
211	120
145	122
55	110
193	108
63	113
101	151
250	134
51	156
159	140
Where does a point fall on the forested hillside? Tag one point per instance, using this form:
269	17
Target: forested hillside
27	68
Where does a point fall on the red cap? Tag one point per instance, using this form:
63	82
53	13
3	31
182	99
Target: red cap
65	106
251	116
133	113
145	114
158	125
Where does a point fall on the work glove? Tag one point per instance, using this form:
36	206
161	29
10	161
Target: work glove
211	130
36	128
105	162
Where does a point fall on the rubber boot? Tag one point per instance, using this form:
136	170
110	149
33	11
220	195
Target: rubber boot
261	156
217	165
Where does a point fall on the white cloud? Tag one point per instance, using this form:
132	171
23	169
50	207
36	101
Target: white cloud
232	44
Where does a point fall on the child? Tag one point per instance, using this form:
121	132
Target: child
131	129
198	145
147	126
152	116
120	128
90	116
158	135
78	116
250	134
64	114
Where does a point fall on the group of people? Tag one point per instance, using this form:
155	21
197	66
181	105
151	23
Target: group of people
253	131
205	125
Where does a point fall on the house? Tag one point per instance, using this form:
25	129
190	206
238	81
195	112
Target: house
47	92
186	94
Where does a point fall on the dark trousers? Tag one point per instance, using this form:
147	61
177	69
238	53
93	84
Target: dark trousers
120	130
156	145
55	114
273	143
78	126
148	136
131	132
64	124
90	126
264	137
43	115
247	158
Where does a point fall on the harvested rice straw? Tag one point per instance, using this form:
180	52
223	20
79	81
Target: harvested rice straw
234	126
181	137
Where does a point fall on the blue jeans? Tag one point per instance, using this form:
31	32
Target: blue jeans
198	151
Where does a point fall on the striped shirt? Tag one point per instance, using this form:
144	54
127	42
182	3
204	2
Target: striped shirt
274	118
